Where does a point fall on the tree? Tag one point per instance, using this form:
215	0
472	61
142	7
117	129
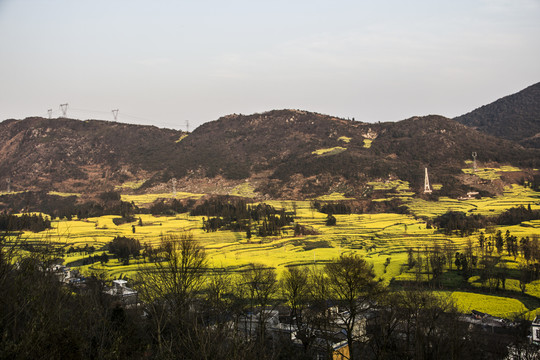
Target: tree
260	284
170	285
330	220
499	241
104	258
124	247
525	277
296	287
351	281
449	251
410	258
436	261
481	240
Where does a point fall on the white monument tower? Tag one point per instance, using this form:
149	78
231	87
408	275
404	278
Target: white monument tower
427	188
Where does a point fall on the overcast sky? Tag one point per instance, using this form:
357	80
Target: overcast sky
167	62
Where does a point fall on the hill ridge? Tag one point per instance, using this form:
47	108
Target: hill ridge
513	117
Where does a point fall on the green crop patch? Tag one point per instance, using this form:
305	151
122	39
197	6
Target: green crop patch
329	151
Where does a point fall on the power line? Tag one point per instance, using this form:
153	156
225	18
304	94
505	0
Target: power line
90	112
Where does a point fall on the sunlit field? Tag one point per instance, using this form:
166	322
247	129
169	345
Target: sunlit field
382	239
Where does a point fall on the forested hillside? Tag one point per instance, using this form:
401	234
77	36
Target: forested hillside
515	117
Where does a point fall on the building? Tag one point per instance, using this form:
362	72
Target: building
120	291
535	331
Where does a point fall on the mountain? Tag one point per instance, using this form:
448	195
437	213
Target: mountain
80	156
280	153
304	154
515	117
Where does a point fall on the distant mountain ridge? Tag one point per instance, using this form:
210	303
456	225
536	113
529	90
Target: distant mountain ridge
514	117
307	154
74	155
279	153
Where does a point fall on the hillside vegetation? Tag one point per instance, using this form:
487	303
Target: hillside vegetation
514	117
76	156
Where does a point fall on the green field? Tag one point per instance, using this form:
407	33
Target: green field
377	237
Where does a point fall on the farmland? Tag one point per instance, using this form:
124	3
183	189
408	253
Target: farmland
382	238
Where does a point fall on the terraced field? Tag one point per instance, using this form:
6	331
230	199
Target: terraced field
377	237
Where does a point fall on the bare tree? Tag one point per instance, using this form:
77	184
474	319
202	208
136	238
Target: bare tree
352	284
296	286
259	284
168	286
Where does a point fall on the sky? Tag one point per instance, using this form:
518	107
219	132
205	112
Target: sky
178	64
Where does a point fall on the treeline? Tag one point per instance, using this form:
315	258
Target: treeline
28	222
106	203
482	258
123	247
332	208
517	215
191	311
458	221
172	207
236	215
360	207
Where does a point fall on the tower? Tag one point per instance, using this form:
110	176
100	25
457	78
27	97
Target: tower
64	107
8	180
474	155
427	188
115	114
174	186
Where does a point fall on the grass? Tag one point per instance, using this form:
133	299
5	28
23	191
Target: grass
133	185
63	194
145	199
400	186
182	137
490	173
493	305
245	190
335	196
329	151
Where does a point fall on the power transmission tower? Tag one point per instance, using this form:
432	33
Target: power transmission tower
427	188
474	155
115	114
64	107
174	186
50	113
8	180
187	125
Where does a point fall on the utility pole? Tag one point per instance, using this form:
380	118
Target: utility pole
64	107
115	114
474	155
50	113
427	188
